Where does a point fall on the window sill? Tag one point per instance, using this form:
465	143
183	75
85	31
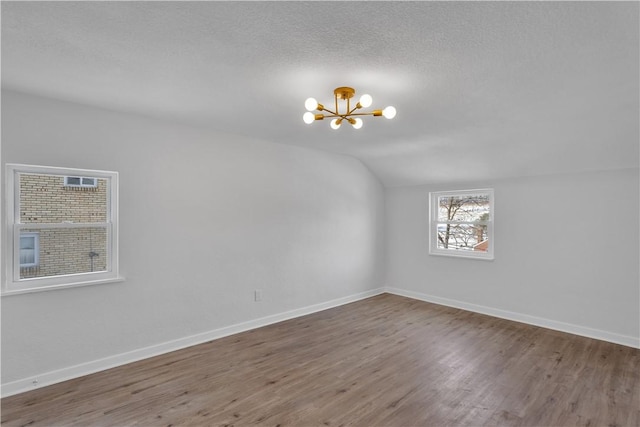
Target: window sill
463	255
10	292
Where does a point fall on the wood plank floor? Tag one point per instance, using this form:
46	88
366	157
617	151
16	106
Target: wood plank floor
383	361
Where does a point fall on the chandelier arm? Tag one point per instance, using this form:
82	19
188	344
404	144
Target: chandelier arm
361	114
346	116
334	114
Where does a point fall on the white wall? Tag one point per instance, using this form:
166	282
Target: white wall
205	219
566	254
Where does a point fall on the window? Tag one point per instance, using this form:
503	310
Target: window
80	181
29	250
59	236
461	223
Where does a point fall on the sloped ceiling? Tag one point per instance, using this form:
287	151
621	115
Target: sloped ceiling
484	90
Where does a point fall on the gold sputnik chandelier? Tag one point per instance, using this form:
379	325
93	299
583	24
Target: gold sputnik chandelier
344	94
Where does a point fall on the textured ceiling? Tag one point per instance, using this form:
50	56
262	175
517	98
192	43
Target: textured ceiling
484	90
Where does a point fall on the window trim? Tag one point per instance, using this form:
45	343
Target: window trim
12	284
433	225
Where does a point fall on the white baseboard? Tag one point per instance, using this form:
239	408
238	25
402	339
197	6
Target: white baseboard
64	374
523	318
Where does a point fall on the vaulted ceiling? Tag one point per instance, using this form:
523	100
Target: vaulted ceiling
483	90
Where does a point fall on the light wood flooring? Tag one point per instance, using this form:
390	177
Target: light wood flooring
383	361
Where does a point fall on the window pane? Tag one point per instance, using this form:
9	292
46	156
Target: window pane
27	242
45	199
463	237
68	251
73	180
89	182
27	250
27	256
474	207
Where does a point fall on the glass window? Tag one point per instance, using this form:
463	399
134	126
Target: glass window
63	227
29	250
80	181
461	223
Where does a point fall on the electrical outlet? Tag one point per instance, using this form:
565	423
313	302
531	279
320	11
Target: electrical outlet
257	295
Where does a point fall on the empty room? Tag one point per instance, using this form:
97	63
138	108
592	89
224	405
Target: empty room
320	213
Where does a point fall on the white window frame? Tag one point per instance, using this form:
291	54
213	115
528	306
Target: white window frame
433	225
36	246
94	183
13	227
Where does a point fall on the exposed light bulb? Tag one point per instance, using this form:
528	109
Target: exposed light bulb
357	124
310	104
308	117
366	101
335	123
389	112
